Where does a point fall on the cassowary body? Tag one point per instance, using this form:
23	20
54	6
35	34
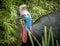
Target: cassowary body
53	20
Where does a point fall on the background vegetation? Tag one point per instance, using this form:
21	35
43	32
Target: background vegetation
9	30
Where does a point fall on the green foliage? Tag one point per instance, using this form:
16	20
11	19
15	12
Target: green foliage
7	26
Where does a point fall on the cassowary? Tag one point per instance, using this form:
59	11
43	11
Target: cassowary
53	20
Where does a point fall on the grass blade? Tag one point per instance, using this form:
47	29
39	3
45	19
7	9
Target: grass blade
29	34
52	36
45	35
57	42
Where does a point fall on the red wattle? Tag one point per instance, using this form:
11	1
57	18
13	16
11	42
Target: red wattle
24	35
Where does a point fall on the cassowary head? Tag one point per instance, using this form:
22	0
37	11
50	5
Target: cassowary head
21	9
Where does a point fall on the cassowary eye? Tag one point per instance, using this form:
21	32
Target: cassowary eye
24	8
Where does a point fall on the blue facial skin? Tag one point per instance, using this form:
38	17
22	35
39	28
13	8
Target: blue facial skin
27	20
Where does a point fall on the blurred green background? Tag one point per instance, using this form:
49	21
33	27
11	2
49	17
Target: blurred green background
9	29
